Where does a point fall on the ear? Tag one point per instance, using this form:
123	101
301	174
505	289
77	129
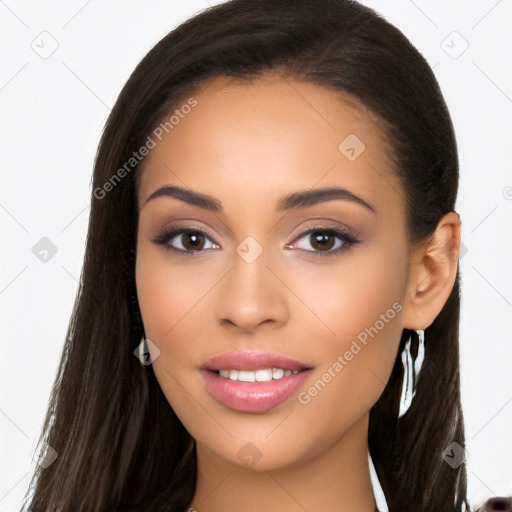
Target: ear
432	273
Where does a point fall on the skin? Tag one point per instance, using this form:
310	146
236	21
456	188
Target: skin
249	144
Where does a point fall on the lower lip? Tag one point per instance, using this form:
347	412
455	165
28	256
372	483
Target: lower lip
252	396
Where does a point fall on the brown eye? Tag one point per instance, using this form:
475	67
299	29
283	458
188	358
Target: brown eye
192	241
186	240
323	241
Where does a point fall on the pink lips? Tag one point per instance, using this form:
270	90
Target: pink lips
252	396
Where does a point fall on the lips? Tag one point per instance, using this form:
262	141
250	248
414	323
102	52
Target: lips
253	360
255	397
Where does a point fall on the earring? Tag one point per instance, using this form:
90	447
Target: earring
144	351
411	370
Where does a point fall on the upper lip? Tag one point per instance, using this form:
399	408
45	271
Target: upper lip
252	360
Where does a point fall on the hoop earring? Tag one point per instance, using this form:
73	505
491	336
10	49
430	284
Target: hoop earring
411	369
143	353
144	357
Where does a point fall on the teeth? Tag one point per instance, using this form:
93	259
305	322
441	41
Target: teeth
277	373
263	375
244	376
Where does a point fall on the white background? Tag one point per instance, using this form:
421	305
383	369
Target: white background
52	113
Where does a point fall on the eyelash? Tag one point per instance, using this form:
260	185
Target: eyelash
166	236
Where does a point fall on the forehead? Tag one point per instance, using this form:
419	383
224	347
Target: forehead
266	137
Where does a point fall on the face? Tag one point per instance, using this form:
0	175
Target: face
257	284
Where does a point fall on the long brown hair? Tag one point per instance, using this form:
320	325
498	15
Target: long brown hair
120	446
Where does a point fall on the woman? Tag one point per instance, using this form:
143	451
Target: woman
273	236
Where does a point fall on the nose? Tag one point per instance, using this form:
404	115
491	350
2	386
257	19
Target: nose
252	294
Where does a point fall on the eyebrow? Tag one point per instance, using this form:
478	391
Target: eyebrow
300	199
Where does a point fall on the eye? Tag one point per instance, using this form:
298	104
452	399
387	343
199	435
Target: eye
191	239
322	240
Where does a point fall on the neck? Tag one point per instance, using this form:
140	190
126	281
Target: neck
336	480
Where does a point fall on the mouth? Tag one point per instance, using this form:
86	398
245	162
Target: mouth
253	381
260	375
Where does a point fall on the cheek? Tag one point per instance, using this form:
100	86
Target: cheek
363	291
161	299
156	293
168	301
172	299
360	310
